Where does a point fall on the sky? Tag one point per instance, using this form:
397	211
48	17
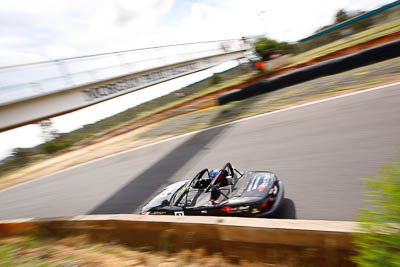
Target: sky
47	30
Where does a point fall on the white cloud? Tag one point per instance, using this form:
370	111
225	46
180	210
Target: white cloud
26	136
79	27
57	51
283	20
63	28
127	24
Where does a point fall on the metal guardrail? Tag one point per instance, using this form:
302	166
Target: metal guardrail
35	79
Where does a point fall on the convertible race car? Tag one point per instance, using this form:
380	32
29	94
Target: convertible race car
226	192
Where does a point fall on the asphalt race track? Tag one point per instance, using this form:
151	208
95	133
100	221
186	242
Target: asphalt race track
320	151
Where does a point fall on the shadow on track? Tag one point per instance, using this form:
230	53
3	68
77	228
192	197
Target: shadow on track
288	210
131	197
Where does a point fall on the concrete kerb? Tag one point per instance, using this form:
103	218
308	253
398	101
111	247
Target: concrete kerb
265	240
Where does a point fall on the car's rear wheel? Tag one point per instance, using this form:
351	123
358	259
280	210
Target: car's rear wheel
286	211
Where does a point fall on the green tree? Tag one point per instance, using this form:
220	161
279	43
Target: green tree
265	47
341	16
285	48
60	142
21	155
379	242
48	130
216	78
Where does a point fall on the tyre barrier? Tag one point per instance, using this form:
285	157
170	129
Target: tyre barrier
272	241
362	58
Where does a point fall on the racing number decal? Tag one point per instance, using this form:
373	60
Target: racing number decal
179	213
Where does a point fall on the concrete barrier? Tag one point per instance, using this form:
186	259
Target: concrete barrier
273	241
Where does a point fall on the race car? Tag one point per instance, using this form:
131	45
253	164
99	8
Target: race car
226	192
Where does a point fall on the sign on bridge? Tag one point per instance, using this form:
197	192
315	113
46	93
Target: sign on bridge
29	108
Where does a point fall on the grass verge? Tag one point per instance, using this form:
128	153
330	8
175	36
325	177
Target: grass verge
378	244
43	251
378	31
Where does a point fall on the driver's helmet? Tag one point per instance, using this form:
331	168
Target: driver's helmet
213	173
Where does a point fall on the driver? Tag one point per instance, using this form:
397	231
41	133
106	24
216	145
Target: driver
205	181
221	179
213	173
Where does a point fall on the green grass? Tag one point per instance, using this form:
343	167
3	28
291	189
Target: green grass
360	73
295	92
359	85
6	255
193	127
378	243
24	253
354	39
80	250
199	116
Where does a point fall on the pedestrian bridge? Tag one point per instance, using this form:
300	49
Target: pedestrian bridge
37	91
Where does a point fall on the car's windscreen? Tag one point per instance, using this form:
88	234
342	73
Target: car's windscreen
178	195
184	197
165	194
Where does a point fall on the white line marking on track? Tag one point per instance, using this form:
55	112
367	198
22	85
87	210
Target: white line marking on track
202	130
